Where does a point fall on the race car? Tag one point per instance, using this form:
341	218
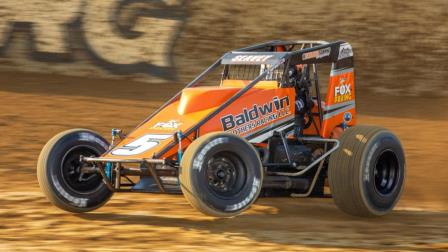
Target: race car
254	123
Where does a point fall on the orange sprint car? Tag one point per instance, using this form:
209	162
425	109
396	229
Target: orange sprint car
256	122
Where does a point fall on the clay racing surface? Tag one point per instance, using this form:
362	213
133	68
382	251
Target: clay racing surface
31	113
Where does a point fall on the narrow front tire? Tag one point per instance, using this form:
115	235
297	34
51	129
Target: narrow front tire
60	176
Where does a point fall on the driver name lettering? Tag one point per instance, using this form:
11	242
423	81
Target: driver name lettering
251	58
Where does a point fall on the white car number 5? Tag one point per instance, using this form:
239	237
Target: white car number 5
140	145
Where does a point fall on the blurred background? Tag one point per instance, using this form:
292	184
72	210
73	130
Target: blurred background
101	64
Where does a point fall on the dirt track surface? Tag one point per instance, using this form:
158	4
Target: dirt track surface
31	114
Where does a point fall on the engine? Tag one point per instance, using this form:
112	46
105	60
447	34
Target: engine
299	154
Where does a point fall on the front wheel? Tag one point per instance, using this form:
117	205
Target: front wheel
366	173
221	174
59	171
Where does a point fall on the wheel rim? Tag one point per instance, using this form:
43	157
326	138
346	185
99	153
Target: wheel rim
386	172
77	181
226	174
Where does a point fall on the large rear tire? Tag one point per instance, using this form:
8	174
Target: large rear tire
366	174
221	174
59	171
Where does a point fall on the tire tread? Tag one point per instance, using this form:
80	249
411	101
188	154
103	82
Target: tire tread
344	172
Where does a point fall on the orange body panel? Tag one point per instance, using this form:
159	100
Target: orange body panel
340	103
200	98
262	107
253	116
171	121
338	107
252	101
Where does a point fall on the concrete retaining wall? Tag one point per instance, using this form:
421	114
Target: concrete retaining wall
400	46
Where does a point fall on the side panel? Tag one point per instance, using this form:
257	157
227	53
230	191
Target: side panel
340	104
154	135
256	114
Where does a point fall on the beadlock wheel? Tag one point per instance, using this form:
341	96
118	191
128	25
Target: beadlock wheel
221	174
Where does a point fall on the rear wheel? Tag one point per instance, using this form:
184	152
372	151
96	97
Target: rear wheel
59	171
221	174
366	174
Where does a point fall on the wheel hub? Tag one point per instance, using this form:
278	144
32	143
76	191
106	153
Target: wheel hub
71	171
225	174
221	174
386	172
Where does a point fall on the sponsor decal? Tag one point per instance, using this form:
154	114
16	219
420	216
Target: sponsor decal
342	92
345	51
198	161
171	124
348	117
317	54
79	202
336	109
366	172
251	58
255	185
256	116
